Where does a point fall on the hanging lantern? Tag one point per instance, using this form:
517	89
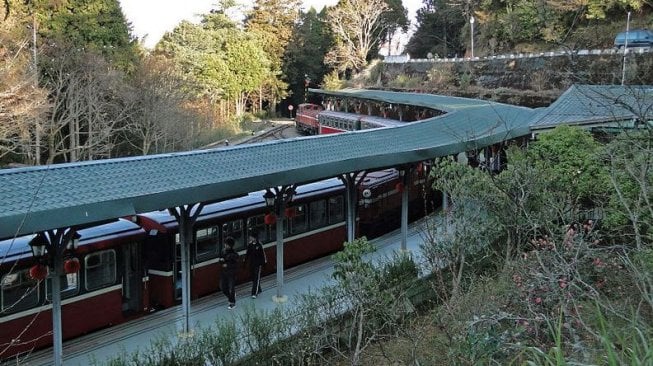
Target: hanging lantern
290	212
71	265
38	272
399	187
269	219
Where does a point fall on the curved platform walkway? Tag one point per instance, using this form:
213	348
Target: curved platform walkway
139	333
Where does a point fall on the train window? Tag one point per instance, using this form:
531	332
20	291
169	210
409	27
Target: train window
18	292
235	230
206	243
100	269
317	212
297	221
69	285
266	233
336	209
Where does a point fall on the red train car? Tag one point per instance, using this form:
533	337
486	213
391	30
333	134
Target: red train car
109	288
379	207
306	118
131	267
316	227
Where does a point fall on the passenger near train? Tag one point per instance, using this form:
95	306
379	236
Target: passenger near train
129	267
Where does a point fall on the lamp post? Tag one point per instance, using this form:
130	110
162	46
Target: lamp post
623	64
471	34
49	248
277	202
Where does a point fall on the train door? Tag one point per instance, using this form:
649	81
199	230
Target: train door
132	278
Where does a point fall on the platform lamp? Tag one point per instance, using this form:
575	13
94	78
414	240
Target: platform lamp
277	201
39	245
270	199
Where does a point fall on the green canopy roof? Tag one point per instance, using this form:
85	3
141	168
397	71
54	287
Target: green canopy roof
597	105
46	197
440	102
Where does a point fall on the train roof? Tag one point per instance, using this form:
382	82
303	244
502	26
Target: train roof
18	248
386	122
252	200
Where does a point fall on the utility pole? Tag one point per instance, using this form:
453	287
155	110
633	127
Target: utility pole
471	23
623	63
37	127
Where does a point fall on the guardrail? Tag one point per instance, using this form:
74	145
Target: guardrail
400	59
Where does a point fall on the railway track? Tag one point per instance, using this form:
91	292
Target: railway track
280	130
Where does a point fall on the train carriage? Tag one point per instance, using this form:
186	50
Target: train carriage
315	226
108	289
380	200
131	266
336	122
306	118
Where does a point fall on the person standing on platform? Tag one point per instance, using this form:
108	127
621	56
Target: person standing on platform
229	267
255	258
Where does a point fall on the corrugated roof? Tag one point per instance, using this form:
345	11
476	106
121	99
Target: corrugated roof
46	197
594	104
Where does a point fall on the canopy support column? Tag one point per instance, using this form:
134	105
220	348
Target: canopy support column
49	248
57	333
278	198
186	217
404	174
349	180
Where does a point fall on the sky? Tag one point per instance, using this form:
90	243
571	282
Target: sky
152	18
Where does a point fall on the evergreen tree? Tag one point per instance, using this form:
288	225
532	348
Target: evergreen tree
438	33
304	58
220	61
271	22
95	25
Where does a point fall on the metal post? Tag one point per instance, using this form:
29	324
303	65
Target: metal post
186	221
351	204
351	210
623	64
349	179
471	22
56	307
185	271
404	208
280	206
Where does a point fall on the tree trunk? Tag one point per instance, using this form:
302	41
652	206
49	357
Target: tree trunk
73	138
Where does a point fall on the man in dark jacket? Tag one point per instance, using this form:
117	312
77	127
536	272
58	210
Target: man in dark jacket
229	267
255	257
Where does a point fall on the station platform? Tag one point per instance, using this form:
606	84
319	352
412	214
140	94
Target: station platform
102	345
